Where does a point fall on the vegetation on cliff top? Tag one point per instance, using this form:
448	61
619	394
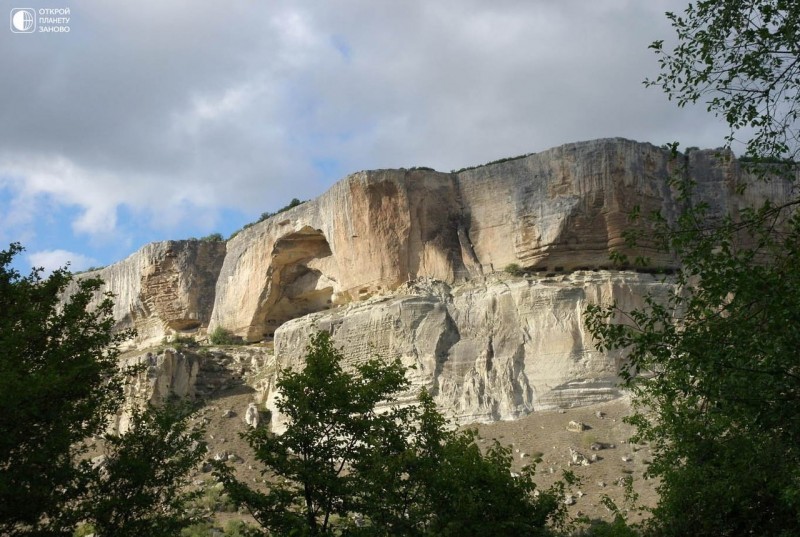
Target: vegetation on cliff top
294	203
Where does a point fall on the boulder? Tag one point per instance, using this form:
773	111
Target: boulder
576	426
577	459
251	416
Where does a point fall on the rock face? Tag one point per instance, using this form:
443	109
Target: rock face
165	375
164	287
367	235
409	264
488	350
562	209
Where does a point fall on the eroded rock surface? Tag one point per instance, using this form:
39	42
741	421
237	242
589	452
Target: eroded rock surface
197	374
493	350
559	210
165	375
163	288
409	264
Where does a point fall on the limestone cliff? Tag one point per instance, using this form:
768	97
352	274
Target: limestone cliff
164	287
404	263
559	210
494	349
365	236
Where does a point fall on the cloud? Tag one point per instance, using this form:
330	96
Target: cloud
175	112
51	260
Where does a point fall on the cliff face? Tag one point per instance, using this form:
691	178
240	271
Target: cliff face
559	210
367	235
494	349
564	208
163	288
404	262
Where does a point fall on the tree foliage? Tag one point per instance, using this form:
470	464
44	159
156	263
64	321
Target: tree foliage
715	367
428	479
332	417
742	57
59	383
342	467
141	490
222	336
715	373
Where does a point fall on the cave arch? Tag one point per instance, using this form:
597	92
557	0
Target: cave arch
300	280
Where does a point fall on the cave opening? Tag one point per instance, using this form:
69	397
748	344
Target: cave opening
300	279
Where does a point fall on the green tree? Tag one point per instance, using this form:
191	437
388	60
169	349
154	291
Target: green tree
715	368
715	373
331	415
59	383
742	58
141	489
341	467
428	478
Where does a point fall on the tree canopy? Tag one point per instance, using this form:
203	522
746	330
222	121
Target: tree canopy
344	467
59	383
715	368
742	59
715	374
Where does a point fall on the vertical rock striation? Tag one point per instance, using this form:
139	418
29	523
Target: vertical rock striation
487	350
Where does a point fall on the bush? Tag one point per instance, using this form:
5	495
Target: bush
221	336
514	269
179	341
198	529
90	269
214	237
214	499
237	528
498	161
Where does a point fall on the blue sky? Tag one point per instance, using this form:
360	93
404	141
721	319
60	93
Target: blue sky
168	119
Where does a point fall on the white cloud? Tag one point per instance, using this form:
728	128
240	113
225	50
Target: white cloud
50	260
64	183
173	111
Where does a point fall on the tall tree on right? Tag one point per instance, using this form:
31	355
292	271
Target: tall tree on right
715	369
742	59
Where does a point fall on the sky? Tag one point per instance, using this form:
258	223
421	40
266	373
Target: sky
169	119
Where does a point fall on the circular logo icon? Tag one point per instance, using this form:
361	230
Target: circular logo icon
22	20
